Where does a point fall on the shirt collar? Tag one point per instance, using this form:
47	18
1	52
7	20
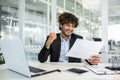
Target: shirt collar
63	39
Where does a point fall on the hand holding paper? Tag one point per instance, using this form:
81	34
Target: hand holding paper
84	49
94	59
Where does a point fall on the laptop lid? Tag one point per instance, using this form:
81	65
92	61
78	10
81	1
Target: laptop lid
15	57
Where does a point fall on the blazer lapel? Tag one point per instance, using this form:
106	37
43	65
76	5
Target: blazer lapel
72	40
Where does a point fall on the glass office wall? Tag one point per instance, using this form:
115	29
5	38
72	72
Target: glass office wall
9	19
60	3
113	29
89	20
38	19
36	22
79	9
70	5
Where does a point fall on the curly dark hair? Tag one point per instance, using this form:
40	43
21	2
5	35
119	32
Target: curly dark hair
66	18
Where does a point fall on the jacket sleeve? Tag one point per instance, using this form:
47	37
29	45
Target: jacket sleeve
43	54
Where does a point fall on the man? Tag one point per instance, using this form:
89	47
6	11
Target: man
57	45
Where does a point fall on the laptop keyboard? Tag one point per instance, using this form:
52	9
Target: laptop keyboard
35	70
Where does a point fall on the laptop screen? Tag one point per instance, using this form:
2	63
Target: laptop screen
14	55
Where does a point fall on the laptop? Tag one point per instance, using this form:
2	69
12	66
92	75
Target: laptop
15	58
115	63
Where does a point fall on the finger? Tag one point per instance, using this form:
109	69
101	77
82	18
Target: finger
95	60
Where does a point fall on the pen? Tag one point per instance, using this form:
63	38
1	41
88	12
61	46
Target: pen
47	72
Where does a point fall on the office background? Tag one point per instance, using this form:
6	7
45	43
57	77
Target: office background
33	20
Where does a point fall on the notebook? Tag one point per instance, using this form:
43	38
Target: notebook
15	58
99	70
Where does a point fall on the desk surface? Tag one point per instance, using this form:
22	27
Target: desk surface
6	74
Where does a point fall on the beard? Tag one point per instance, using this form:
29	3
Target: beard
67	33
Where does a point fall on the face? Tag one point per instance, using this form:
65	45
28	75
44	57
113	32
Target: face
67	29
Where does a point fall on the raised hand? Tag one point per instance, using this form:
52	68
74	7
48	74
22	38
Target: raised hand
51	38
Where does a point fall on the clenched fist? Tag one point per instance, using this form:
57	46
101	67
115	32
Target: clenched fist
51	38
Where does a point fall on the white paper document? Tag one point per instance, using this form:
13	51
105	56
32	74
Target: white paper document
84	49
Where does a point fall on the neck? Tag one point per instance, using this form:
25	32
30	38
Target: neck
65	37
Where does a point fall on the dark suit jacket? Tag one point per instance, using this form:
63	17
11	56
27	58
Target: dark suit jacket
54	50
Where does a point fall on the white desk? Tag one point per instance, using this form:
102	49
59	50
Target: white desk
5	74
